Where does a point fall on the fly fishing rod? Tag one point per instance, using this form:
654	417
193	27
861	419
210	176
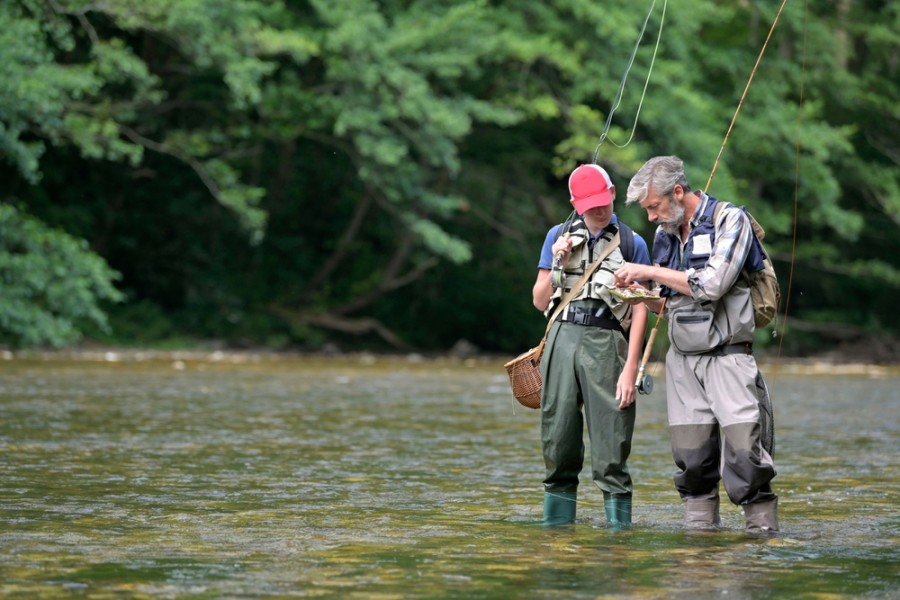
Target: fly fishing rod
644	382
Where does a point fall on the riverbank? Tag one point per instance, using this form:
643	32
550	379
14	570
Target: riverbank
772	367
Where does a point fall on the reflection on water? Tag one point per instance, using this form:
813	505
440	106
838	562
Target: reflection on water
352	477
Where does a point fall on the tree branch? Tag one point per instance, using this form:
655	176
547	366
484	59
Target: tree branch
82	20
192	162
387	286
339	323
343	246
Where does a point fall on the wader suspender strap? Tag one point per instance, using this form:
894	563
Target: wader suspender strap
612	245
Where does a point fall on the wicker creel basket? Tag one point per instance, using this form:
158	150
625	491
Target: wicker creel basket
525	377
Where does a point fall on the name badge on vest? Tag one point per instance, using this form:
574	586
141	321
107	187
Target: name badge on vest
702	245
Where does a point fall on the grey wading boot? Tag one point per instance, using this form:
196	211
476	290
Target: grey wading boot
618	511
559	508
702	512
762	517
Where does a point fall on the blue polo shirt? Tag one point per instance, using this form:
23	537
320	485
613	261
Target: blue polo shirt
641	252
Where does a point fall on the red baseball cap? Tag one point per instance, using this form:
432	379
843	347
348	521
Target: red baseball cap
589	187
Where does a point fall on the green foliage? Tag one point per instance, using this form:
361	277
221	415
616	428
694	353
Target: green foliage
52	282
34	90
301	171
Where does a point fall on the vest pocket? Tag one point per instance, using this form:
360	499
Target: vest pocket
693	330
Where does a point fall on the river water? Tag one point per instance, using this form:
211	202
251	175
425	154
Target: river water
355	477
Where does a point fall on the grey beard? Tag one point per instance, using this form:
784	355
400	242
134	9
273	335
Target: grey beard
672	226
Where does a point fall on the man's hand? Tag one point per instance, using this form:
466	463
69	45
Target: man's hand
630	273
563	246
626	392
628	276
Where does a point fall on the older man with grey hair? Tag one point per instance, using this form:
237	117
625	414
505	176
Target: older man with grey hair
714	388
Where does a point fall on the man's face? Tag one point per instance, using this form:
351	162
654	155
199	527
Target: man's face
665	211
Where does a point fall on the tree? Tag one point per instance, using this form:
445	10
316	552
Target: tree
52	283
304	171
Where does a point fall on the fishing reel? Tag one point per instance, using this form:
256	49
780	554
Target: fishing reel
557	275
645	385
644	382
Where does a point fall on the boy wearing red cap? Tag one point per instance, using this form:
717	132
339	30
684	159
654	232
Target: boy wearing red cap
590	362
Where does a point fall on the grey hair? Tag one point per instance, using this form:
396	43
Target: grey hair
662	173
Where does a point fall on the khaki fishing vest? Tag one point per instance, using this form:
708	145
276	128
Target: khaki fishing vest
597	286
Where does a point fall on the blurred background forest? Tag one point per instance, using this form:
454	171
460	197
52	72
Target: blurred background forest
349	174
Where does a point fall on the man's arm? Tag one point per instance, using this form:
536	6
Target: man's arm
715	279
542	290
625	388
733	239
629	274
543	285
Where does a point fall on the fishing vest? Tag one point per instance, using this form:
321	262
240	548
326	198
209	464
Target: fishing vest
698	327
666	247
597	286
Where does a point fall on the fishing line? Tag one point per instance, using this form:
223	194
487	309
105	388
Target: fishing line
618	96
662	20
643	365
744	95
787	297
617	100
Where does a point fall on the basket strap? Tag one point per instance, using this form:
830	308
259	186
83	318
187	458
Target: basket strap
612	245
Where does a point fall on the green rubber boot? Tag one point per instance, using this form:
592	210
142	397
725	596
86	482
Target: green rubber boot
618	511
559	508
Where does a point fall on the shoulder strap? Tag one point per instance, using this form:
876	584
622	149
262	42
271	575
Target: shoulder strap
627	244
757	254
720	206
